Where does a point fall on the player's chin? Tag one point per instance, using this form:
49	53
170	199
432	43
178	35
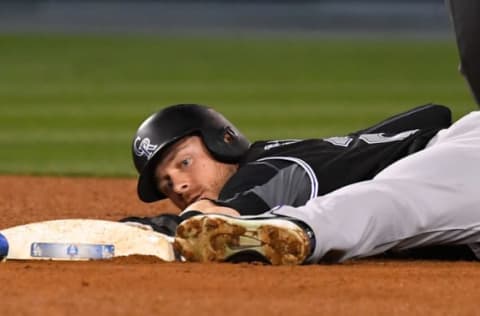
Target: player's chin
179	203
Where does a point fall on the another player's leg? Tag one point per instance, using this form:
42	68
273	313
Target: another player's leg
277	240
466	21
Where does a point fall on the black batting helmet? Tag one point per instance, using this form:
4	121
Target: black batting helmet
171	124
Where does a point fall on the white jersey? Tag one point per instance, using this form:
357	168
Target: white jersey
429	198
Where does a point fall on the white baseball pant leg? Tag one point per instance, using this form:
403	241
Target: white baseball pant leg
429	198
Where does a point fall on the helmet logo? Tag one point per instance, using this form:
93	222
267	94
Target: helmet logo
142	147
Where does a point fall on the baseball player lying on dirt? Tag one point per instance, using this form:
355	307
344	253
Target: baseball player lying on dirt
407	182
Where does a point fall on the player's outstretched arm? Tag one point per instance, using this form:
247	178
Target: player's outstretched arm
167	223
207	206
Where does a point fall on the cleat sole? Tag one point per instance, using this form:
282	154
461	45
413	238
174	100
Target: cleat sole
216	238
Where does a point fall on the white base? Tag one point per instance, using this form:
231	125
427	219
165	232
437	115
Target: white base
127	239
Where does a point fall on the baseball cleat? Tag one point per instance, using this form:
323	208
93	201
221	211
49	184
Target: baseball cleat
217	238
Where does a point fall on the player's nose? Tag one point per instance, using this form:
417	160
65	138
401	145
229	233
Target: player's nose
181	185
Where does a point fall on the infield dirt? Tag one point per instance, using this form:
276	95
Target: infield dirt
147	286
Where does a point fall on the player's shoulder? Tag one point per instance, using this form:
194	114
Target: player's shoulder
250	175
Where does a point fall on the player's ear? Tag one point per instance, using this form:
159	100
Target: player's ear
228	136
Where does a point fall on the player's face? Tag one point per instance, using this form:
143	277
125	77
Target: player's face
188	172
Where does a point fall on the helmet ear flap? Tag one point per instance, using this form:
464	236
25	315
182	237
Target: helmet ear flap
226	145
228	135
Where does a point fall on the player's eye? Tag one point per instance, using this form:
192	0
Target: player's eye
186	162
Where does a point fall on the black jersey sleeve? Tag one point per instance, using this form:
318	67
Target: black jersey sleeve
429	116
259	186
